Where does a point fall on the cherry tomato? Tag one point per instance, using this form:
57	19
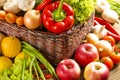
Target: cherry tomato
109	39
107	61
115	56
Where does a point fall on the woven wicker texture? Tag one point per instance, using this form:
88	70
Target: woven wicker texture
53	47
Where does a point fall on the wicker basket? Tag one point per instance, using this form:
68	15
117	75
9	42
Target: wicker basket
53	47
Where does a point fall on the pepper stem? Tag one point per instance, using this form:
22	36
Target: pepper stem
59	14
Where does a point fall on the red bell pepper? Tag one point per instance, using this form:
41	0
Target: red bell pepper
58	17
43	4
111	31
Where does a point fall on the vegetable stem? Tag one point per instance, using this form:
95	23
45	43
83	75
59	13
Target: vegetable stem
33	52
23	68
59	14
31	64
36	71
39	70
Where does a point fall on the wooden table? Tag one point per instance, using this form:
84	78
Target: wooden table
115	73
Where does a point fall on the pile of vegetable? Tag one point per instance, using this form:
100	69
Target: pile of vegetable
20	61
106	12
54	15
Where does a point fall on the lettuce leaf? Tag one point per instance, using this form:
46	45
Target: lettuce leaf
15	72
82	9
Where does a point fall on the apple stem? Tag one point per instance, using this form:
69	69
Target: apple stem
97	67
69	66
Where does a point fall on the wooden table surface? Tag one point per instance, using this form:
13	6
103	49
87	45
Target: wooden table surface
115	73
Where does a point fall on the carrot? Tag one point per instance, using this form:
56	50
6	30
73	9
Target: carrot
10	18
2	14
19	21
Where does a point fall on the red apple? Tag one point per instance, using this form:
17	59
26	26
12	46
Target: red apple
96	71
68	69
86	53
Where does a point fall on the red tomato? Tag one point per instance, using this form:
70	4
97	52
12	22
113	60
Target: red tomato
107	61
115	56
109	39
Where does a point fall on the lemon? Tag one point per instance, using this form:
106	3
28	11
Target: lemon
5	63
10	46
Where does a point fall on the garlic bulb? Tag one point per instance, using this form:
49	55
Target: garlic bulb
100	31
110	16
102	5
11	6
26	5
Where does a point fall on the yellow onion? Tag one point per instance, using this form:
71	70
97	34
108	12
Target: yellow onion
92	38
104	48
32	19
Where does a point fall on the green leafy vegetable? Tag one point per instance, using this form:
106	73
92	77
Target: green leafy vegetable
23	69
115	6
16	72
82	9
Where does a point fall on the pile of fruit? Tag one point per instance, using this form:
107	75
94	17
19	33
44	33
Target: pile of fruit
96	56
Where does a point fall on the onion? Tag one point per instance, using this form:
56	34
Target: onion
104	48
92	38
32	19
